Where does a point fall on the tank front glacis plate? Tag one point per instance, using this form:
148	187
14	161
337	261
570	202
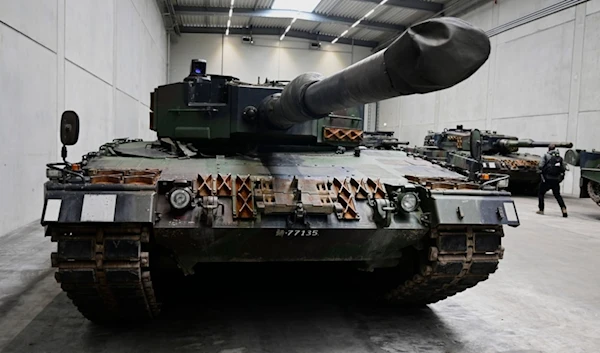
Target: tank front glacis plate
281	207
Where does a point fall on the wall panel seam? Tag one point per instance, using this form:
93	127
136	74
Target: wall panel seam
61	94
536	32
143	20
30	38
535	16
130	96
111	126
87	71
528	116
222	52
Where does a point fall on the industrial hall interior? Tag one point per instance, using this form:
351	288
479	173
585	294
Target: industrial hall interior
266	176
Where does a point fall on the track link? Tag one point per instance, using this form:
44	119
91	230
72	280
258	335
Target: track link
593	190
459	257
105	272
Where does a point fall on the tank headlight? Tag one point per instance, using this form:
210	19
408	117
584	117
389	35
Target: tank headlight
503	184
53	173
180	199
409	202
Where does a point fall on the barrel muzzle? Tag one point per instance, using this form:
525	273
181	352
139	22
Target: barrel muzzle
429	56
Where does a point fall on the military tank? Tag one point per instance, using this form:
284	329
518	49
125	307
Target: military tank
500	155
244	173
589	162
381	140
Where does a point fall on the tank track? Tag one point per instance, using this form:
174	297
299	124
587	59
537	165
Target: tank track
593	190
459	257
105	272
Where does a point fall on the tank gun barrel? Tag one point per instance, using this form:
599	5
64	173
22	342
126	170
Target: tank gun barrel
429	56
531	143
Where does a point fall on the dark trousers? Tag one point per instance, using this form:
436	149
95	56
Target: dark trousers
553	185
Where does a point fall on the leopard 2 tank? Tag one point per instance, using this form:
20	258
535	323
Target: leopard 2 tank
265	173
500	155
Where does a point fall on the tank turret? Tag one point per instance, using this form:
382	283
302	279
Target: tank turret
211	110
492	143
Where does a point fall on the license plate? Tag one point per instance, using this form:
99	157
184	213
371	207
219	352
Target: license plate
297	233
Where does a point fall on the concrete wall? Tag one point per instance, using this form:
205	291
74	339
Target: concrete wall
100	58
542	81
268	57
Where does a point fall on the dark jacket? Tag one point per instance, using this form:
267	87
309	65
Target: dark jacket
547	157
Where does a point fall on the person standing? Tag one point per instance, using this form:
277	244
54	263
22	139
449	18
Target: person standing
552	169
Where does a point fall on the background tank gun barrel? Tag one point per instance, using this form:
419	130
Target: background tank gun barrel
429	56
531	143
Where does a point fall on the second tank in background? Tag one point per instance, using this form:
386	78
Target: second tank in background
500	155
589	162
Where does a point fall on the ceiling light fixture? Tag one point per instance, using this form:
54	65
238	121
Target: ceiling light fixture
229	20
358	21
295	5
289	26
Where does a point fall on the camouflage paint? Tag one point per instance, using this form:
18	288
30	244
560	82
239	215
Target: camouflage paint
500	155
589	161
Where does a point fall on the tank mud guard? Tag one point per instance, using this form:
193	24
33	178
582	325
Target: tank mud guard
105	271
458	258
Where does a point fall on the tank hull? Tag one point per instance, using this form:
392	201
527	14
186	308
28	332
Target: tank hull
589	162
114	234
521	168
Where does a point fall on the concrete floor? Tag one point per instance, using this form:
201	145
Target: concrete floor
545	297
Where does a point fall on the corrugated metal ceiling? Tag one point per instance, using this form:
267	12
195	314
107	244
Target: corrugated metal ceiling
346	8
367	34
332	29
352	10
264	22
213	21
398	15
259	4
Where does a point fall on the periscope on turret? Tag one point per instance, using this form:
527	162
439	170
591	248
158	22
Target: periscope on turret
244	173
